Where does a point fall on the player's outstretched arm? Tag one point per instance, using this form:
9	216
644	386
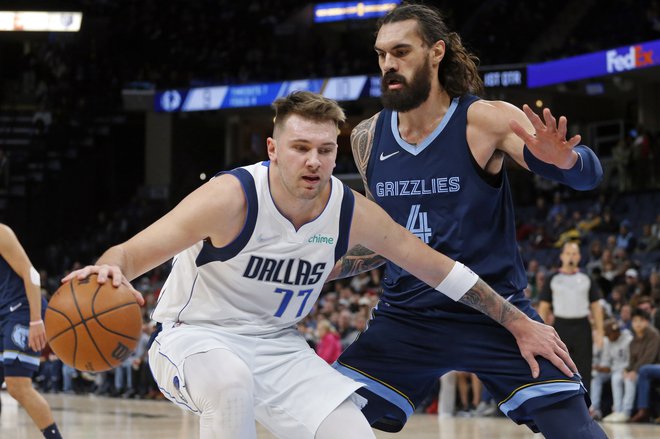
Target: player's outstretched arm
213	212
12	251
540	145
373	228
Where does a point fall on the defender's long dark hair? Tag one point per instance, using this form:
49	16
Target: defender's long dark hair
458	73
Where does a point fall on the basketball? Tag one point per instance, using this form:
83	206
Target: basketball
93	327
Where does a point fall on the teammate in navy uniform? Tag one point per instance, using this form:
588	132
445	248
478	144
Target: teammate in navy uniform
433	159
247	268
22	333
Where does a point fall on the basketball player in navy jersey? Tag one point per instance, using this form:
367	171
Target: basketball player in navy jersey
252	249
22	332
433	159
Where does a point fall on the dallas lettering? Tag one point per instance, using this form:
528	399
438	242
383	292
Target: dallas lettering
284	271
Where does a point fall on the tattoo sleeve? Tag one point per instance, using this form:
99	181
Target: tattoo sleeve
360	259
482	298
361	143
357	260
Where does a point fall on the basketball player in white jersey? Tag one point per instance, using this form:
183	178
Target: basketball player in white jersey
252	249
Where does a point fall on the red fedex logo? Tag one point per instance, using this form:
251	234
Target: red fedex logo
634	58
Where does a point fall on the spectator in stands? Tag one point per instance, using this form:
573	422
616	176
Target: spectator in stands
328	346
68	375
468	385
49	376
595	256
537	286
542	212
642	156
604	285
655	228
345	328
558	208
626	238
625	317
533	267
647	374
607	224
632	282
644	349
617	299
646	304
124	383
572	295
648	241
615	358
622	156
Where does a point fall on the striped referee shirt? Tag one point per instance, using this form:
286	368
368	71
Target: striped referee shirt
570	294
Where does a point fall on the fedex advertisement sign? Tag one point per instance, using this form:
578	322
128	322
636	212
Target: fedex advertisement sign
591	65
633	58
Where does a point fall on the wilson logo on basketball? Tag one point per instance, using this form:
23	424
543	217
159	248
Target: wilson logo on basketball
121	352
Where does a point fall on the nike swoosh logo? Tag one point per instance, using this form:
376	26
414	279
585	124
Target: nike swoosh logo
14	308
385	157
262	238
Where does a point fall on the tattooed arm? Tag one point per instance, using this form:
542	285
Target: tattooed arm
533	338
362	139
360	259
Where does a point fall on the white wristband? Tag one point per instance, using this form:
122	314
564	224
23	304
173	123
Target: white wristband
458	282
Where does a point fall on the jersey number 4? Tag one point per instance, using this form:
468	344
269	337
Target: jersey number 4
418	223
286	298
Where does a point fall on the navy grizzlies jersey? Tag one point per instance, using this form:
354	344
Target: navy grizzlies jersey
436	190
12	289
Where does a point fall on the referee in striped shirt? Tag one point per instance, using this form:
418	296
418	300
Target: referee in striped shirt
572	294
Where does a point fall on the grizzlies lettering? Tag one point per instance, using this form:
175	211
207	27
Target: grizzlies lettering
284	271
402	188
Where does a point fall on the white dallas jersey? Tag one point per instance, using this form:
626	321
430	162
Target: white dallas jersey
269	277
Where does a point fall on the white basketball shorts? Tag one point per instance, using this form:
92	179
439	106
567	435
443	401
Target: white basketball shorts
295	390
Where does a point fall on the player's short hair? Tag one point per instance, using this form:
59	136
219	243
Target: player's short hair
458	72
308	105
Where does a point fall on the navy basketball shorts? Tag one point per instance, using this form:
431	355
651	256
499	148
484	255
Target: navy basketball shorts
402	354
16	356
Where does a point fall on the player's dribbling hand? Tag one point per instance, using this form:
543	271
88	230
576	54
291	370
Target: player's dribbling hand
103	273
540	339
549	142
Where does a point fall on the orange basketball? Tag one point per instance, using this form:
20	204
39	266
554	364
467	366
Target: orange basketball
93	327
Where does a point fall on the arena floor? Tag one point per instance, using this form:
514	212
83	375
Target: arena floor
91	417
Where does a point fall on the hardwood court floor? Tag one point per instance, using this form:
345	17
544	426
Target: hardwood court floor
91	417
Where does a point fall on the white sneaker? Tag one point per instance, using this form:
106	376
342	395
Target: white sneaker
616	418
609	417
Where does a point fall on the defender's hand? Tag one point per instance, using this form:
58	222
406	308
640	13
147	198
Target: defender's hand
548	143
536	338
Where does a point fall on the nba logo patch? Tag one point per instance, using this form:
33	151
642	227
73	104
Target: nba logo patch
20	335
